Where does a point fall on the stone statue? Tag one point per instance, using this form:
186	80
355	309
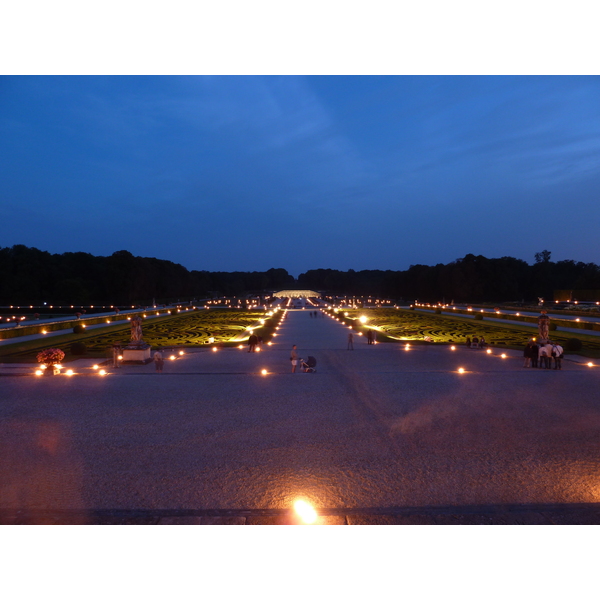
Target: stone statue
136	329
543	326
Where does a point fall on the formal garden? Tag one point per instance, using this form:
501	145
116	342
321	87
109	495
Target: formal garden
401	325
202	327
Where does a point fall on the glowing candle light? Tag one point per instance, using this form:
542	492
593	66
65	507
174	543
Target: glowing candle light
305	511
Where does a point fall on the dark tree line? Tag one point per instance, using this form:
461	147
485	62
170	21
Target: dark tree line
32	276
469	279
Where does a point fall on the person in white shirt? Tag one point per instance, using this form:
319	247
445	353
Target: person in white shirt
557	353
542	356
548	347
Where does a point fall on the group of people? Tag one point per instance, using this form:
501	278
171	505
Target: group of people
476	342
539	356
315	314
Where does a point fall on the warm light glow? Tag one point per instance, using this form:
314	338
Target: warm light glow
363	319
263	372
70	372
214	349
172	357
305	511
119	358
107	321
488	351
242	347
39	372
452	347
590	364
102	372
258	348
503	355
44	331
181	353
95	367
461	370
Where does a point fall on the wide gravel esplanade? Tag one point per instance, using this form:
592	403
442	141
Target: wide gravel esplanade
380	428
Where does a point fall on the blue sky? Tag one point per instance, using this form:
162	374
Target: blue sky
300	172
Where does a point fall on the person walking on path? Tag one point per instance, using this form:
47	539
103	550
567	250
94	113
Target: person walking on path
369	337
158	361
252	341
294	358
350	342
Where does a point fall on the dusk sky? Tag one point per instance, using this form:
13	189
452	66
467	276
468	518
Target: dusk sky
302	172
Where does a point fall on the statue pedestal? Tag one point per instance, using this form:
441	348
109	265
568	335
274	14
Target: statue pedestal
139	354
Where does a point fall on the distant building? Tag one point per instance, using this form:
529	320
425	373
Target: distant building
297	294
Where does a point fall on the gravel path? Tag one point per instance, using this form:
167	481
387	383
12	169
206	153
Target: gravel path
376	427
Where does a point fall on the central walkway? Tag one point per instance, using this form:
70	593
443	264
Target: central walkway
375	428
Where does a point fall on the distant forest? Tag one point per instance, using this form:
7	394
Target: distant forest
32	276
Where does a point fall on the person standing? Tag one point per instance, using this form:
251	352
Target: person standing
116	352
369	337
350	342
158	361
294	358
527	354
534	355
543	356
549	349
557	353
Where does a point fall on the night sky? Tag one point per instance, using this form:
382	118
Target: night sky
302	172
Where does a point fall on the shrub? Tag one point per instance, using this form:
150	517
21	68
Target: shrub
438	311
478	316
78	328
78	348
573	344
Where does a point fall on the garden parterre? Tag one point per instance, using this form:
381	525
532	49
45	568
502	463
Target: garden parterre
193	329
401	325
